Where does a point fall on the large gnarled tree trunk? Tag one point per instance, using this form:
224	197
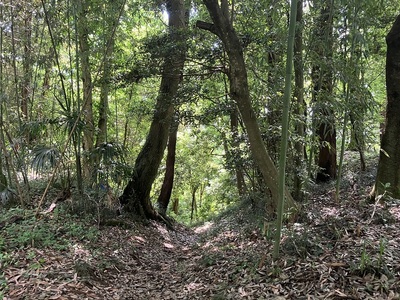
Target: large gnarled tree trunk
389	158
136	196
239	92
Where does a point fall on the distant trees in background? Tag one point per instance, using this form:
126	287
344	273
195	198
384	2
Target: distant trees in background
89	90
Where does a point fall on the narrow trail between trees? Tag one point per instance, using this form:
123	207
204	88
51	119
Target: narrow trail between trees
332	251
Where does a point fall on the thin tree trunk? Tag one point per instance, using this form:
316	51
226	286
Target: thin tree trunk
299	104
26	66
168	183
3	152
359	142
285	125
322	93
194	204
240	182
111	23
175	206
136	195
238	167
104	92
239	92
84	51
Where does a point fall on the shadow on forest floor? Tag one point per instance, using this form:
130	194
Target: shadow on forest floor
349	250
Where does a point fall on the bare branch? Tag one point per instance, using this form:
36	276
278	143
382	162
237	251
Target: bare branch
207	26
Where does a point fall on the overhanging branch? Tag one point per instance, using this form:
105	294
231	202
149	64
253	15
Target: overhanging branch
207	26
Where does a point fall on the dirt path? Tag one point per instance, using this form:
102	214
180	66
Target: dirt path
335	255
333	251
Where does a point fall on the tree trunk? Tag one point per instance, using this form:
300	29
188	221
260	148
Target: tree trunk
357	141
239	92
166	188
389	158
84	51
104	92
194	203
111	17
322	94
299	104
26	90
136	196
240	182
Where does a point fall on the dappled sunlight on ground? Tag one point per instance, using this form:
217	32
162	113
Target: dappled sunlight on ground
203	228
346	251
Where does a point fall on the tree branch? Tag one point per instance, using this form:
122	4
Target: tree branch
207	26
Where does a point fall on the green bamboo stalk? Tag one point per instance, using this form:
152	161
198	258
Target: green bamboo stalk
285	124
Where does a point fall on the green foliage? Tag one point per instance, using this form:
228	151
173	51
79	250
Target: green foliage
111	163
3	284
44	158
199	170
301	244
372	260
43	232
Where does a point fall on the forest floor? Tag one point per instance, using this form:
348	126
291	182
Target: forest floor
349	250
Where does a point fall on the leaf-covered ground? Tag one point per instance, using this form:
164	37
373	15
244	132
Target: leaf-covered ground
349	250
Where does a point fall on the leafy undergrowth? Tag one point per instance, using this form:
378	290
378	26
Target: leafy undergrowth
349	250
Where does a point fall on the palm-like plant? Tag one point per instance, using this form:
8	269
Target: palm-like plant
111	161
44	158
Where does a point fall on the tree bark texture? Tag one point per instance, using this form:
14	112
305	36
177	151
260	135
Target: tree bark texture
240	182
26	90
84	51
193	212
136	195
322	92
357	140
389	158
104	92
239	92
299	103
168	183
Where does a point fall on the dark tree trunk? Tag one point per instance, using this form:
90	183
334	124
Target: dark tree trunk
327	150
389	158
166	188
240	182
299	104
358	140
194	203
322	93
136	196
239	92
